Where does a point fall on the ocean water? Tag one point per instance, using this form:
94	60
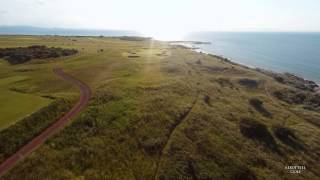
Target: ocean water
297	53
29	30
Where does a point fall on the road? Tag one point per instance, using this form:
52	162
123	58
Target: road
85	95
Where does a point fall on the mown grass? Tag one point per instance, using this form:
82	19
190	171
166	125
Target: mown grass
17	105
168	114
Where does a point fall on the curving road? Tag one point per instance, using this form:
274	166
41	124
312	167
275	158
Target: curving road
55	127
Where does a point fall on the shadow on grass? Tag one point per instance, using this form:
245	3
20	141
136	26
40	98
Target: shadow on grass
257	131
258	106
288	137
249	83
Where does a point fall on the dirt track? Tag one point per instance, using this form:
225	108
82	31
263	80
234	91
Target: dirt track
85	94
175	126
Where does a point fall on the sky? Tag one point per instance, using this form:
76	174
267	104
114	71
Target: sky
165	18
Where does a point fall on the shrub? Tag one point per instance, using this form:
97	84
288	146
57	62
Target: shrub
258	106
314	100
12	138
243	173
18	58
224	82
21	55
287	136
311	101
257	131
134	38
152	146
249	83
290	96
279	78
207	100
133	56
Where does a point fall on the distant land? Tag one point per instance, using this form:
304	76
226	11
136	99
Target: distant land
30	30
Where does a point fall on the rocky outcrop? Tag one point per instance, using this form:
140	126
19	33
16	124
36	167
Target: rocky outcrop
292	80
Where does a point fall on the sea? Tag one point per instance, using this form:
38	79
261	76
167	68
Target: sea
30	30
294	52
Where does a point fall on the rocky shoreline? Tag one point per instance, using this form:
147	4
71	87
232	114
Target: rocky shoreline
284	78
302	92
191	42
292	80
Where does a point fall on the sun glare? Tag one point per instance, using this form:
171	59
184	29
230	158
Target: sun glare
165	34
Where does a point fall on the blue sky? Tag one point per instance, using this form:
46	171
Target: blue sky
165	17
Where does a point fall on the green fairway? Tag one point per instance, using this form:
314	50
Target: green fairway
16	105
5	82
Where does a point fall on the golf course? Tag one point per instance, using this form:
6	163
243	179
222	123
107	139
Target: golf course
95	107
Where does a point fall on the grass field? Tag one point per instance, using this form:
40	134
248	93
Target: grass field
17	105
163	112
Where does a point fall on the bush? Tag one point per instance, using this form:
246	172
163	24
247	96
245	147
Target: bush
243	173
152	146
258	106
134	38
311	100
18	58
287	136
133	56
21	55
314	100
257	131
207	100
279	78
249	83
14	137
224	82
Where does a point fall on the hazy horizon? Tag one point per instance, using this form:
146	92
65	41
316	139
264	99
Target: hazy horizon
115	29
159	89
38	30
165	19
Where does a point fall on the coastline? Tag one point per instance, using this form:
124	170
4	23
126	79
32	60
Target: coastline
315	86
